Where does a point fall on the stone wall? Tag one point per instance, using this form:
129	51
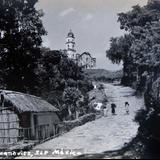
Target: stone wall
66	126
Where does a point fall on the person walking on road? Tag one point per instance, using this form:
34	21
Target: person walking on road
127	107
113	107
105	111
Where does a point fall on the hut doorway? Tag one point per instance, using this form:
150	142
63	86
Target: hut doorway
9	127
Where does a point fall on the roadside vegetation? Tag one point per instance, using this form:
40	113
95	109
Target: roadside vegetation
139	50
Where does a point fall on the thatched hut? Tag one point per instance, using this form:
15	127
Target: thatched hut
26	117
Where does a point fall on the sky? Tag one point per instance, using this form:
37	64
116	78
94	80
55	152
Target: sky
93	22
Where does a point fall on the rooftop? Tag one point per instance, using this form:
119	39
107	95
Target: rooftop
71	34
27	103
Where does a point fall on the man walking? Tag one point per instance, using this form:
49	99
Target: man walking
113	107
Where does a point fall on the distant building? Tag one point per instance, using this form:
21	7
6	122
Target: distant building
84	60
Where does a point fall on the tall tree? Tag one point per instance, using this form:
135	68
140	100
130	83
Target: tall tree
21	32
142	25
120	52
72	97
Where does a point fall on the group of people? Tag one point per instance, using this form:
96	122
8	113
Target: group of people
113	109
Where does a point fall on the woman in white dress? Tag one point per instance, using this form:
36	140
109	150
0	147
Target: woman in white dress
127	107
105	111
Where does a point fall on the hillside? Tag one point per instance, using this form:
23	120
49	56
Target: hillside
103	75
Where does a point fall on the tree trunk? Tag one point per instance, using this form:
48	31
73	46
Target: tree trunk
77	114
69	111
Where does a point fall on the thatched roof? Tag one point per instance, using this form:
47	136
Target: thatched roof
27	103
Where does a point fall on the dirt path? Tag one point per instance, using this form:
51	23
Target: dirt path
107	133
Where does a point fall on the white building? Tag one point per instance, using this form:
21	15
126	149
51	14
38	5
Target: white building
84	60
70	45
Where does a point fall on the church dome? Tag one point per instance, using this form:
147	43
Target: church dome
71	34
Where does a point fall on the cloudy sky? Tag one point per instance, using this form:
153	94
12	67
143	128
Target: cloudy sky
93	22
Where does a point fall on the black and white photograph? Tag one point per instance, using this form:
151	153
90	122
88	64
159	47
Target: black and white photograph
79	79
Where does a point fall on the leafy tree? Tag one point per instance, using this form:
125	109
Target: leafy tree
139	49
56	74
119	49
72	97
120	52
21	30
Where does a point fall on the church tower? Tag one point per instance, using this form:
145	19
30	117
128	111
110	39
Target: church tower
70	45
